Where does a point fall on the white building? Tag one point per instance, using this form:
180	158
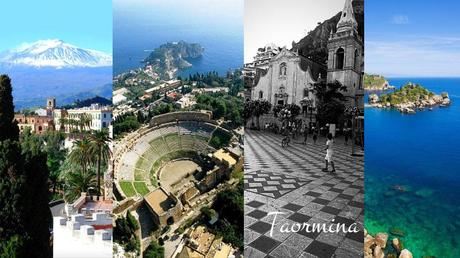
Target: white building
118	98
210	90
101	116
186	101
119	95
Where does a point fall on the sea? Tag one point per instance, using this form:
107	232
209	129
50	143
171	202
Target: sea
137	32
412	172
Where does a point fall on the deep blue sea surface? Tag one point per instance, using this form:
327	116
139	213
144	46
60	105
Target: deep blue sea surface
412	172
137	32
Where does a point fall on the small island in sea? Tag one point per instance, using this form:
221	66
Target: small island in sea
171	57
409	98
374	82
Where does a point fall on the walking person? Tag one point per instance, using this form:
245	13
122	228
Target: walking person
305	135
346	135
329	153
315	136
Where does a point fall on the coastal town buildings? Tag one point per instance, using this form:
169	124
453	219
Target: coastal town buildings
201	243
50	119
37	124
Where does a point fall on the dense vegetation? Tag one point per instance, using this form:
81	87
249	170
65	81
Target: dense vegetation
372	81
127	122
220	139
233	80
24	214
51	143
222	106
124	233
255	109
229	205
330	106
154	250
407	93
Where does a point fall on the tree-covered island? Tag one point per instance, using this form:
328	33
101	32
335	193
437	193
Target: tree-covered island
409	98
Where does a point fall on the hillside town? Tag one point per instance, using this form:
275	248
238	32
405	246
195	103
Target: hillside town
178	157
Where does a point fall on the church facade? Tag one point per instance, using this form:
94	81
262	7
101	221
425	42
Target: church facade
288	77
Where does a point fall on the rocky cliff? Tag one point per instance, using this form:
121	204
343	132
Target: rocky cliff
314	45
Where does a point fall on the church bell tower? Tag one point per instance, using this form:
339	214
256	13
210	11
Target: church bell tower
345	56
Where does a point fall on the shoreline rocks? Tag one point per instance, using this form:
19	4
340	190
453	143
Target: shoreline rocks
374	247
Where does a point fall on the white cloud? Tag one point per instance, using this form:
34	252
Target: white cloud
414	56
400	19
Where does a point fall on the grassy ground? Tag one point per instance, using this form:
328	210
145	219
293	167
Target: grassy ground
141	188
127	188
138	174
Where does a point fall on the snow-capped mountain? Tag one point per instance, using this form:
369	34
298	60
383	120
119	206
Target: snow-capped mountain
54	53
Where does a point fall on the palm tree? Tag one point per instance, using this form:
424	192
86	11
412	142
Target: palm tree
99	147
63	121
86	119
81	153
78	182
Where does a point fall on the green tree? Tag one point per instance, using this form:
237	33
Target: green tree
81	153
99	147
330	101
24	213
56	156
12	248
259	108
124	233
8	128
77	182
154	251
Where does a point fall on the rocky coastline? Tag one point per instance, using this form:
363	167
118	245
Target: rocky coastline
375	246
409	99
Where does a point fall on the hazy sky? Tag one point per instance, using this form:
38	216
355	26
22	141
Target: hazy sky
192	12
412	38
84	23
281	22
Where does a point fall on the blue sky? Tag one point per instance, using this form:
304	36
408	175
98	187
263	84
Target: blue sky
412	38
84	23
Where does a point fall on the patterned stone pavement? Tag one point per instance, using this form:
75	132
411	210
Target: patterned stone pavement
290	180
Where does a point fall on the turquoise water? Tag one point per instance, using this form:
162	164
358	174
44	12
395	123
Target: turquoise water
139	29
412	168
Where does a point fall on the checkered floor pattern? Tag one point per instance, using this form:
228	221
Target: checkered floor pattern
290	181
